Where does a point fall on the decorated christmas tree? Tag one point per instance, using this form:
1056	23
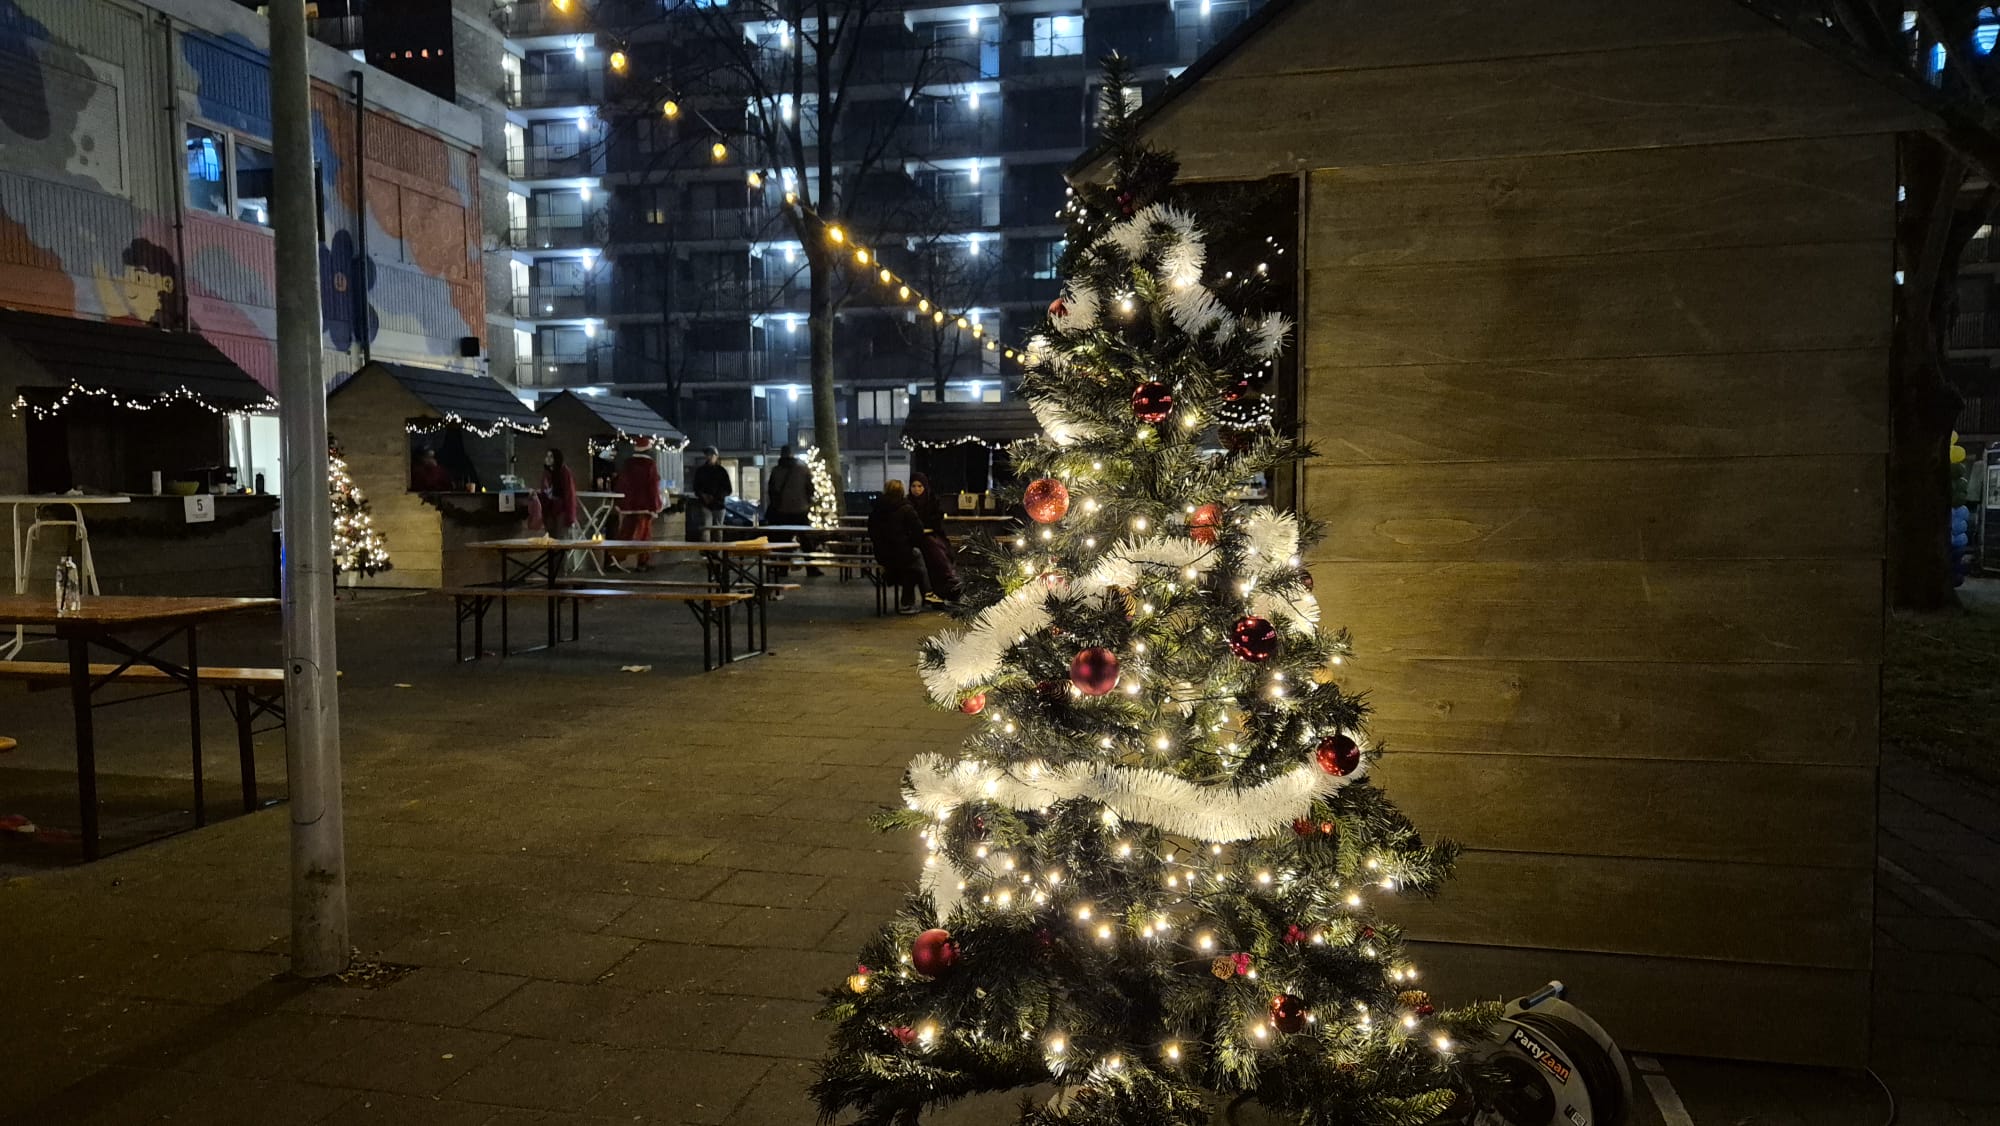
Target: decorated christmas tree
357	547
826	499
1154	867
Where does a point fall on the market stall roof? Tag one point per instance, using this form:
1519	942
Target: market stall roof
934	425
134	365
627	418
470	400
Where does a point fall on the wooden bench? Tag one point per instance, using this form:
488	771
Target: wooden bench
250	694
846	564
470	603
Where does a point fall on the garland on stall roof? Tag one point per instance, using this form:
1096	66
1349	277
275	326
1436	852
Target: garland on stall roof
454	419
178	396
910	443
936	786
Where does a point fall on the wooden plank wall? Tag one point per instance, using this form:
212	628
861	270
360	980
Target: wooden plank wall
1595	342
368	415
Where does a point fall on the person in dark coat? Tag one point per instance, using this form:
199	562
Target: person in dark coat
935	548
711	488
557	495
896	532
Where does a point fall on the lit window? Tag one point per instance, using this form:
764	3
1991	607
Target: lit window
254	170
207	160
1057	35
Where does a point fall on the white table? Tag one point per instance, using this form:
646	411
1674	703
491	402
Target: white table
24	544
591	523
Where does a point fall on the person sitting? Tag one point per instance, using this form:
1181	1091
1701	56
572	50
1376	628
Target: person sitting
895	531
427	475
935	548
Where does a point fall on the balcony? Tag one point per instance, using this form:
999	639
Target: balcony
549	162
1975	332
555	372
540	91
341	32
553	301
558	233
524	18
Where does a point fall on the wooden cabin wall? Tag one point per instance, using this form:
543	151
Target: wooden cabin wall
1595	348
368	416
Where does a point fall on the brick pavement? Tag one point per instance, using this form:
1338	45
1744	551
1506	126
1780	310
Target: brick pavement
623	891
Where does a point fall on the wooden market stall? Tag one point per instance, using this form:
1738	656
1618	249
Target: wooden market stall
434	452
962	447
1588	289
595	434
103	410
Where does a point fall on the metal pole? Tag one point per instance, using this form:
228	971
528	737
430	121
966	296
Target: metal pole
312	703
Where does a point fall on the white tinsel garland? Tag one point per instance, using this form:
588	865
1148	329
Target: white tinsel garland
1209	812
1194	309
1273	538
1080	308
1299	612
1270	334
1057	425
973	657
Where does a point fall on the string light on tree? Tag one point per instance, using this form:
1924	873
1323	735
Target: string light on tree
1085	843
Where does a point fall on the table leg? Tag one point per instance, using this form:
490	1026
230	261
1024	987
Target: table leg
194	726
86	743
550	562
246	749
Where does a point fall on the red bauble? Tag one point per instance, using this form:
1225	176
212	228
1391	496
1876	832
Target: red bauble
904	1034
1046	500
1058	309
1152	402
1050	689
1202	522
934	953
1238	391
1338	755
1253	639
973	704
1094	671
1302	827
1288	1013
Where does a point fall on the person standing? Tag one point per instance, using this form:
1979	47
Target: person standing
895	531
711	488
638	498
788	490
557	495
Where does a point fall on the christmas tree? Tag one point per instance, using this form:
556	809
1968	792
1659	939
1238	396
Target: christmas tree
357	546
1152	870
826	499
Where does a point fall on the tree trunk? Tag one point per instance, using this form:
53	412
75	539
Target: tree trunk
819	322
1932	229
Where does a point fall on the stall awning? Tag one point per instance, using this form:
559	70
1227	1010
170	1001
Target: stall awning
627	418
131	365
994	425
475	402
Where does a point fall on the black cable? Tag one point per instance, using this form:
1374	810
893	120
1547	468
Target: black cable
1887	1094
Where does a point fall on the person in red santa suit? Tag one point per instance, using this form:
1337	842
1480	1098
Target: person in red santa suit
639	498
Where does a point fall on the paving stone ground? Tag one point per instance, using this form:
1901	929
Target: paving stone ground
623	890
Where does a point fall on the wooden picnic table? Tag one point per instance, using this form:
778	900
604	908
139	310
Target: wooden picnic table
100	622
525	560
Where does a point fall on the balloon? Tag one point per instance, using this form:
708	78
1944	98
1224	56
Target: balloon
1957	455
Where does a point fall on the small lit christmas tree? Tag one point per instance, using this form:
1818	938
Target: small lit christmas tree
826	499
1152	869
357	547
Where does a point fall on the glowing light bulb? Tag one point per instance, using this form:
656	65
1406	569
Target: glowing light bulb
861	256
1104	931
670	108
719	150
1058	1045
617	61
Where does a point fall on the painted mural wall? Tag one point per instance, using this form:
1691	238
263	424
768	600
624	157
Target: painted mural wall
134	173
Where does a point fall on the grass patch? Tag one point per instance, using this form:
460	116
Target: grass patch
1941	687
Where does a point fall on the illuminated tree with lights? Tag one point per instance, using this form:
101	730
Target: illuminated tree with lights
358	547
825	511
1152	869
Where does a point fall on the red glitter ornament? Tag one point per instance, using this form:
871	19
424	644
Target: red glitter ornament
1338	755
933	953
973	704
1094	671
1238	391
1152	402
1288	1013
1047	500
904	1034
1058	309
1302	827
1253	638
1242	962
1202	522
